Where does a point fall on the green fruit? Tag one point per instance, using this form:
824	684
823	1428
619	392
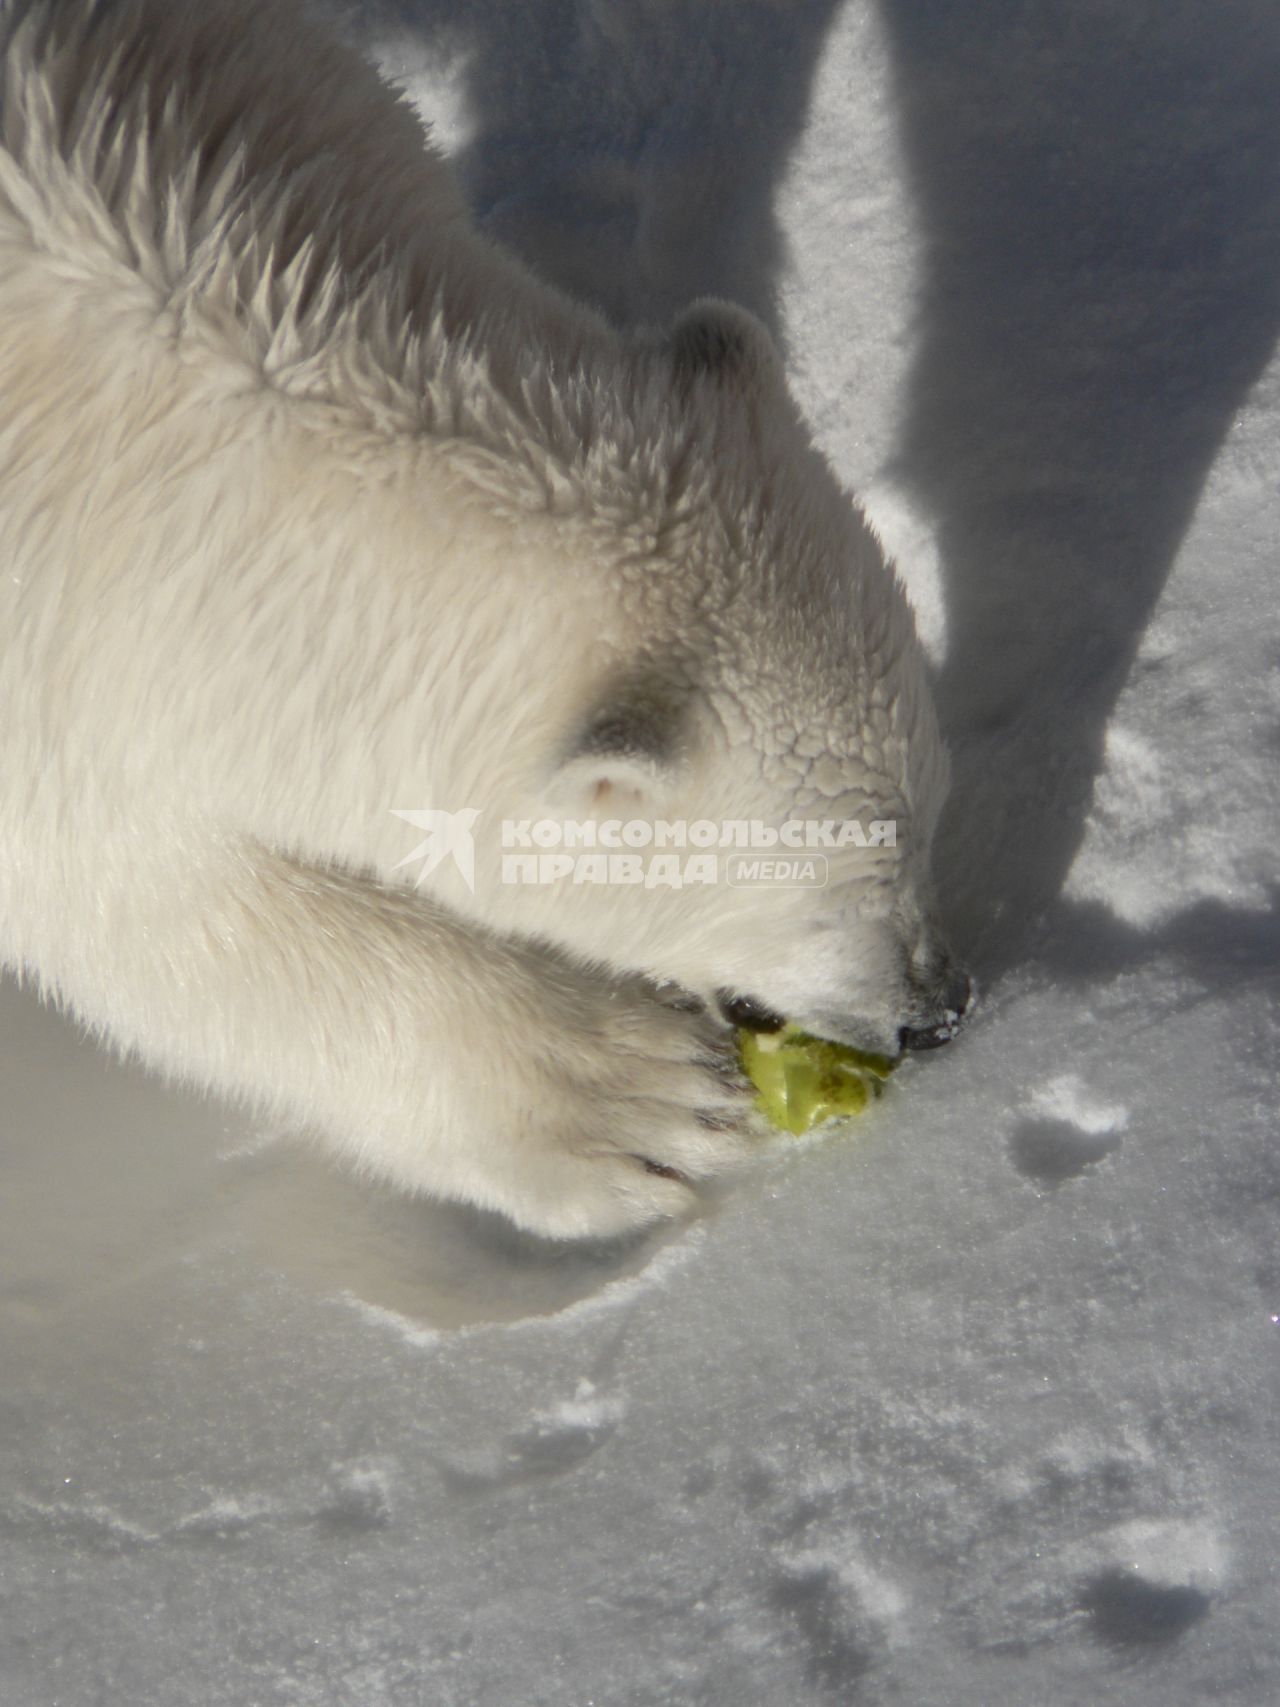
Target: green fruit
803	1080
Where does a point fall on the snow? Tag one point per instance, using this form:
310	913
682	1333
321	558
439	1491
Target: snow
972	1405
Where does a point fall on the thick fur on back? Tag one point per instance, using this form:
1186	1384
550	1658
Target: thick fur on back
249	165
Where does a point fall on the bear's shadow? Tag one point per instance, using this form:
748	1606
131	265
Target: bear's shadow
629	151
1099	191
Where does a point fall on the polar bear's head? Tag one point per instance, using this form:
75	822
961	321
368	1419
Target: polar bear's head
824	917
748	659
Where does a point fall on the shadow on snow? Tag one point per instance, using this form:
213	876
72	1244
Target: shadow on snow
1099	190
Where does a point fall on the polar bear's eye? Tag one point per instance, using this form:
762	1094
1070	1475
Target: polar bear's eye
747	1013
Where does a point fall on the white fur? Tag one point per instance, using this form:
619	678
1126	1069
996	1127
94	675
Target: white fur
314	505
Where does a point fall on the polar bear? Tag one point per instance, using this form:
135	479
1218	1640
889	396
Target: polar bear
318	510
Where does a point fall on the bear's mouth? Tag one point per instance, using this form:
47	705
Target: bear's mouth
930	1030
748	1013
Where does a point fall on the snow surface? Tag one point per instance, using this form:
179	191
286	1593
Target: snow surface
974	1405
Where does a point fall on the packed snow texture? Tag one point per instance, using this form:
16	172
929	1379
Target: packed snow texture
973	1404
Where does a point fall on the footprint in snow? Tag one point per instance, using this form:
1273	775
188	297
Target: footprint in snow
1127	1611
1065	1131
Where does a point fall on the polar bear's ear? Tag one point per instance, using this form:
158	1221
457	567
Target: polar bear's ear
626	752
719	340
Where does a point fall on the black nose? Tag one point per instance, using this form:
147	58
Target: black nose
748	1013
957	999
